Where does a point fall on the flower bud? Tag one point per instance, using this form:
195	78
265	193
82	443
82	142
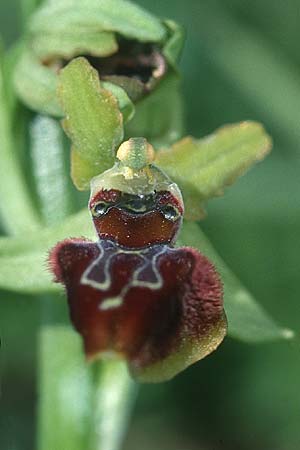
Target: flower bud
134	53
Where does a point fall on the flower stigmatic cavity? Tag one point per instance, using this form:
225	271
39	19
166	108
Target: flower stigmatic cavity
132	292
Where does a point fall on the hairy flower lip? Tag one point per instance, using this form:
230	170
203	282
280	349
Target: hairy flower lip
170	309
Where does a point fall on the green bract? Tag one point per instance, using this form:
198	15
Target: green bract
133	51
204	167
93	121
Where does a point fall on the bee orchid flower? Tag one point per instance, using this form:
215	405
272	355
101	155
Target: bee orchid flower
133	292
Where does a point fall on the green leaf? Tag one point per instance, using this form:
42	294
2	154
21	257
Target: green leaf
204	167
17	210
50	171
23	262
93	120
247	320
36	84
125	18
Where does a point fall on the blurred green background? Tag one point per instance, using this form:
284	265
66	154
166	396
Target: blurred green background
241	61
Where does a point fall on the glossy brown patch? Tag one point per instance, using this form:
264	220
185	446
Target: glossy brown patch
134	231
136	221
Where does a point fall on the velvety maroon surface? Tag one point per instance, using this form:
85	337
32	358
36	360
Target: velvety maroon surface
140	303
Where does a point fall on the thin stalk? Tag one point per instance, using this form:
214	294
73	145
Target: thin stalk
65	385
113	400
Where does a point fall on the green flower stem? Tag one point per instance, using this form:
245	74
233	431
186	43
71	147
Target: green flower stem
113	400
78	403
17	211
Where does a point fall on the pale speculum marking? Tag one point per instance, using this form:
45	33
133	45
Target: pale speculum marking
145	275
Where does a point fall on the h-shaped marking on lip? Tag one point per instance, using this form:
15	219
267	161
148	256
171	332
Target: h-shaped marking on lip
134	281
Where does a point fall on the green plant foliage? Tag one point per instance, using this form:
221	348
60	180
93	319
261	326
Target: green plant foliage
125	104
67	393
121	16
28	258
60	31
93	120
159	116
77	42
36	84
16	207
247	320
204	167
173	47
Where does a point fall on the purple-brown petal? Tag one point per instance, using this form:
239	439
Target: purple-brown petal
202	324
161	308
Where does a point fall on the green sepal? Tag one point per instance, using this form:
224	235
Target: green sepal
126	106
159	115
123	17
204	167
174	44
36	84
43	97
63	30
74	42
82	170
92	121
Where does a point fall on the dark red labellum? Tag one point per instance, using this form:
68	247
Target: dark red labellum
141	304
132	292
